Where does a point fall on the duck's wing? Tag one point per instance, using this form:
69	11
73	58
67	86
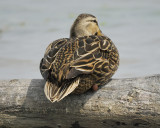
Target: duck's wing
94	55
50	55
85	55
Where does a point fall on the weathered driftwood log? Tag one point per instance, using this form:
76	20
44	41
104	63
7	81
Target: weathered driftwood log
122	103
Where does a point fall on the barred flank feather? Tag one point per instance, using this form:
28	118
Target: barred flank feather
56	93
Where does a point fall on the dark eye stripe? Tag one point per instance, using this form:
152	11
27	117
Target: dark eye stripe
93	21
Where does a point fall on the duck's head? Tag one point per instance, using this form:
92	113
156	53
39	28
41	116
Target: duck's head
85	25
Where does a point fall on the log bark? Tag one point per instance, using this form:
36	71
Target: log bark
121	103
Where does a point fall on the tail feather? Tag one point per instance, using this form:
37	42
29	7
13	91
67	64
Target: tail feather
68	90
56	93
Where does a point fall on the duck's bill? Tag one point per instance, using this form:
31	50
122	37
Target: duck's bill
100	33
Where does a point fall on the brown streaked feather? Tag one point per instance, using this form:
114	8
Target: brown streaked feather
49	56
55	46
73	73
83	61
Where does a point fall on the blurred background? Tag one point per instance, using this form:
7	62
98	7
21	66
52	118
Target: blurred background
28	26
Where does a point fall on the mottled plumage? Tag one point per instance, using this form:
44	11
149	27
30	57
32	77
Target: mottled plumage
74	65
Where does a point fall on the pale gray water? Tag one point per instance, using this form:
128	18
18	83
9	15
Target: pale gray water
28	26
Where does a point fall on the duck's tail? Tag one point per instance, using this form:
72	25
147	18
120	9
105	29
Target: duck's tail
57	93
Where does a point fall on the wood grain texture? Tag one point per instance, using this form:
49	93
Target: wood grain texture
122	103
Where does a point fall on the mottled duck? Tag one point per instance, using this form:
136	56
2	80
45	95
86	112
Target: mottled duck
86	60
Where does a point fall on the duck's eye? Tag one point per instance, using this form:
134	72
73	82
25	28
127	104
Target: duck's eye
96	33
94	21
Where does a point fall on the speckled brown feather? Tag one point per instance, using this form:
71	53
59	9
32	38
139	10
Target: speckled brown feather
50	55
92	59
